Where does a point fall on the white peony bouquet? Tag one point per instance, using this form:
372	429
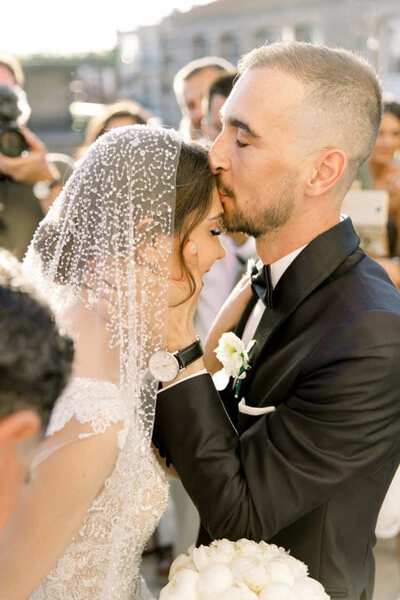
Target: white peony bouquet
242	570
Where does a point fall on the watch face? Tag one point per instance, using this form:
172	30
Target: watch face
163	366
41	190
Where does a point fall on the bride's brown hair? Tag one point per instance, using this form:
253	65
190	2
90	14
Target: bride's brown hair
194	187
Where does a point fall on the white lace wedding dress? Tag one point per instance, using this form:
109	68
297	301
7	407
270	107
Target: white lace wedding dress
103	560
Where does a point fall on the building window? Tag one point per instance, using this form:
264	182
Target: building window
229	47
304	33
199	46
267	36
392	35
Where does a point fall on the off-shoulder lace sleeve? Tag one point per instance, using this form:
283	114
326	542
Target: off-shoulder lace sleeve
87	407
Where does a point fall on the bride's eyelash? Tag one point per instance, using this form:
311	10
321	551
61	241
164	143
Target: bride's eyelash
216	231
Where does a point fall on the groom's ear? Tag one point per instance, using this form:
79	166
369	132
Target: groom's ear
327	171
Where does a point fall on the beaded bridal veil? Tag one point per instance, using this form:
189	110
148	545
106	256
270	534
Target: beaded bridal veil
100	258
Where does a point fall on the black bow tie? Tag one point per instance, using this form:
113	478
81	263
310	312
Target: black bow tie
261	284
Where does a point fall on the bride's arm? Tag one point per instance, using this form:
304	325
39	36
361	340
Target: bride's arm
226	320
51	510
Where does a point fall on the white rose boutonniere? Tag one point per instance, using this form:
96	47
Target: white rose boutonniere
234	356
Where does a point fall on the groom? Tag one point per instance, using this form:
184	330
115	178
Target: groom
317	436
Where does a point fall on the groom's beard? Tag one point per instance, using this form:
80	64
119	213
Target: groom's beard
264	219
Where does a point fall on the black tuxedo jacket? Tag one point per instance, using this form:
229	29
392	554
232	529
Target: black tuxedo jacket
310	475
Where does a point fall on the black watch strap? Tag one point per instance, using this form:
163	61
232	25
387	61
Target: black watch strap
189	354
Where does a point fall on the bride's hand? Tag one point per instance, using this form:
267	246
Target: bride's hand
226	320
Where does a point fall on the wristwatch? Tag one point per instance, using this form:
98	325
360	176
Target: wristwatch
42	189
165	366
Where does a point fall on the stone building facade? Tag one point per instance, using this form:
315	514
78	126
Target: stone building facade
150	56
53	83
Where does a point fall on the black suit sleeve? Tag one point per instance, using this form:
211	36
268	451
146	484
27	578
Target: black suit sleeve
341	422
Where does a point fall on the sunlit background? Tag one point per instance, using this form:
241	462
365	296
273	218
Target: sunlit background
49	27
82	54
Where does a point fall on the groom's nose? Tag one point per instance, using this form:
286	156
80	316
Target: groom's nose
218	156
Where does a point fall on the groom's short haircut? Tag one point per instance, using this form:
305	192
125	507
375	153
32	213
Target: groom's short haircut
35	358
343	94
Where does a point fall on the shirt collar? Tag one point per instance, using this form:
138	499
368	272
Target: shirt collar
279	267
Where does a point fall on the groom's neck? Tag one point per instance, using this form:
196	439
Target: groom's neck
276	244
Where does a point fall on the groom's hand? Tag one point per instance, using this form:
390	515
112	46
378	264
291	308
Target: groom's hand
227	320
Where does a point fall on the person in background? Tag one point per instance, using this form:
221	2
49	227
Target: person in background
382	171
118	114
384	167
212	104
191	85
46	192
20	211
35	365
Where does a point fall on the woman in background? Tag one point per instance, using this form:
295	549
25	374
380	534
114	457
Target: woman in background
118	114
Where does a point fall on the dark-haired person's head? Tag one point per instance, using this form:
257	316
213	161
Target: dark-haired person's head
35	364
191	85
213	103
118	114
197	214
388	140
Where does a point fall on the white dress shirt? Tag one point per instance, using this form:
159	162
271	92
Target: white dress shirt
277	270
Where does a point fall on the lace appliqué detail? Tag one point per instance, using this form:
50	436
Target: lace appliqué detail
103	560
90	401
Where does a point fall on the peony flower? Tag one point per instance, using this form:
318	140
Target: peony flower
221	551
279	571
201	557
240	565
183	561
298	568
242	570
248	548
278	591
182	587
213	581
309	589
237	593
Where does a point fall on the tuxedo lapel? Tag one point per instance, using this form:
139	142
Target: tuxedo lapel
245	316
309	270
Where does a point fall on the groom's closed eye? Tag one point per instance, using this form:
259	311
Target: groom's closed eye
242	127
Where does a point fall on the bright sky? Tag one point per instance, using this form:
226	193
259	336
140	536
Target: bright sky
33	26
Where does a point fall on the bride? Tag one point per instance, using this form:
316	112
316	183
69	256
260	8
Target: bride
140	209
